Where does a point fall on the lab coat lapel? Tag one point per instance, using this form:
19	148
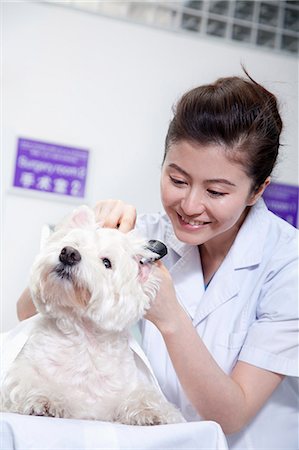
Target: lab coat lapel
219	291
12	342
142	362
245	253
187	272
188	279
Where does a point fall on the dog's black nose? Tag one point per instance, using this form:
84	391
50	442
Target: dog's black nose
69	256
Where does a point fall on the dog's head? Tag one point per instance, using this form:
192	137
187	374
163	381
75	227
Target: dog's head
87	272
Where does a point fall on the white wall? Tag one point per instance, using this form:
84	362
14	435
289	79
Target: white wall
79	79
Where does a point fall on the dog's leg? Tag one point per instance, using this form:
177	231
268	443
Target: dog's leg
36	401
146	406
41	405
24	391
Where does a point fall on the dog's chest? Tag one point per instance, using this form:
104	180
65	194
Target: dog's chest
82	362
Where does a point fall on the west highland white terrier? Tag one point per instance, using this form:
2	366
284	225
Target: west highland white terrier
89	288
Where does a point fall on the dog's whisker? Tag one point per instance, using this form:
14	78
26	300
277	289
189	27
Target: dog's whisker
63	272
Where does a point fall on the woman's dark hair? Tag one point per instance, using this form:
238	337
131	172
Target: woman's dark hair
236	113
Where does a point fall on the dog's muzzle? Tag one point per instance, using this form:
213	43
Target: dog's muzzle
68	258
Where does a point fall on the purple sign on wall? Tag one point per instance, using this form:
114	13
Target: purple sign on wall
52	168
282	199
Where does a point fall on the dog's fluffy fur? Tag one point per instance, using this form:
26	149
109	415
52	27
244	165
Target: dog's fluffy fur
89	287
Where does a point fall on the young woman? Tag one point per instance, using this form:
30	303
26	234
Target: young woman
222	333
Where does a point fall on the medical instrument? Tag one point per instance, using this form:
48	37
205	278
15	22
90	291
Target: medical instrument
156	247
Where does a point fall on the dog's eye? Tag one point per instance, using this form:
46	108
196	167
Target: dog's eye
107	263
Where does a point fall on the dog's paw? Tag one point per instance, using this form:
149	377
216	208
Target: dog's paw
170	414
42	406
162	413
157	417
147	407
147	417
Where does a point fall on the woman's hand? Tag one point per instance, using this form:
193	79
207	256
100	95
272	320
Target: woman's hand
165	311
115	214
25	306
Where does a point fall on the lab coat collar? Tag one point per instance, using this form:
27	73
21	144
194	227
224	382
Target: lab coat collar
223	287
189	283
248	248
187	272
249	243
172	242
188	279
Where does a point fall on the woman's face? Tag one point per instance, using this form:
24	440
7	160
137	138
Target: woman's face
204	193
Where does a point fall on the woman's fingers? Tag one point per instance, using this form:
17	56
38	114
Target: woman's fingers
115	214
128	219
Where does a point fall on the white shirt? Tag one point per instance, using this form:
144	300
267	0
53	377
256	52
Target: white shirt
249	312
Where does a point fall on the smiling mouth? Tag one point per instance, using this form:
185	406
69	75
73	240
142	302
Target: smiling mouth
191	222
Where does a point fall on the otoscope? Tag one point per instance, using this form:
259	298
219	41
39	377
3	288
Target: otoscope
156	247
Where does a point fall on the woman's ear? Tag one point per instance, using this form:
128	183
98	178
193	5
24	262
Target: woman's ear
253	198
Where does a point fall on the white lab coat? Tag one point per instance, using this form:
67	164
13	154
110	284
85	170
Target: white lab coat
249	313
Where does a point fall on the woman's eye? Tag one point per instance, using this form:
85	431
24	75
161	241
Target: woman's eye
107	263
215	193
176	181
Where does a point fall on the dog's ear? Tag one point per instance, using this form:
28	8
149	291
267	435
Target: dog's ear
143	271
141	252
81	217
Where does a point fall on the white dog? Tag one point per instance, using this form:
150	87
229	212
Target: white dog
89	287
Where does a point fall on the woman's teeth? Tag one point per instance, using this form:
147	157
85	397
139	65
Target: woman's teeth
194	223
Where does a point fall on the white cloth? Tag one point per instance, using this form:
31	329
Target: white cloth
20	432
43	433
249	313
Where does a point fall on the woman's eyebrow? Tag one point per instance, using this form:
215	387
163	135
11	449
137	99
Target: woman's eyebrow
213	180
220	181
179	169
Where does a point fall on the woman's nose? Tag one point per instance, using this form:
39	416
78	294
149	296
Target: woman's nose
192	204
